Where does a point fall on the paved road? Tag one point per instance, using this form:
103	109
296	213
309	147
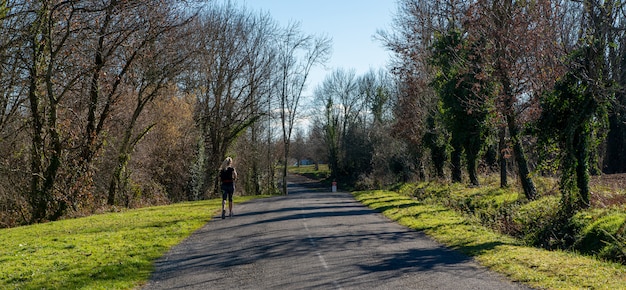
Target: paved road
315	240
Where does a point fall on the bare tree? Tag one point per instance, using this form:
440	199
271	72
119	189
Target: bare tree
11	88
159	62
13	134
230	80
615	160
575	114
389	162
339	98
417	116
53	72
299	150
520	44
77	58
297	54
161	161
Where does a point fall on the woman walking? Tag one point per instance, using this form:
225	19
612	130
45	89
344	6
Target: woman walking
228	175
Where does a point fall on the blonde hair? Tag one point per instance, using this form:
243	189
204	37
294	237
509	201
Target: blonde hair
227	162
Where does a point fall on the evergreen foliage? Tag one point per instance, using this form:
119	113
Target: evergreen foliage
463	94
573	117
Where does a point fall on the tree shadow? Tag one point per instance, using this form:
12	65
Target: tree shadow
416	260
202	254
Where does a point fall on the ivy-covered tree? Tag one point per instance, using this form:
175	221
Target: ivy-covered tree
463	91
615	31
520	43
571	118
574	116
418	111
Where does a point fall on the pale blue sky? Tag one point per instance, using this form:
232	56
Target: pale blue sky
351	24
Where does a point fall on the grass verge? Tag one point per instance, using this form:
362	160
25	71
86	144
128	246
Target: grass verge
108	251
534	267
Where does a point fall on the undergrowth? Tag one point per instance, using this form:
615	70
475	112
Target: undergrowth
598	232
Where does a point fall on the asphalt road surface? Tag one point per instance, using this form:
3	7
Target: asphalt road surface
315	240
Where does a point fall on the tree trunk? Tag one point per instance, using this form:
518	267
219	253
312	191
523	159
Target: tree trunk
520	158
285	179
118	180
471	151
45	155
255	169
215	160
37	199
503	167
438	157
286	164
615	160
50	176
582	143
455	163
471	170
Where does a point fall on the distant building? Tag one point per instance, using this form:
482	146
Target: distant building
304	162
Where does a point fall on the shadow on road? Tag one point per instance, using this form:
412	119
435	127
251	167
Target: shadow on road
268	242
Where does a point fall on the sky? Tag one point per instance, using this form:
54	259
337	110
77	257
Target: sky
351	24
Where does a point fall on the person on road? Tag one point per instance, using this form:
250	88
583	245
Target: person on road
228	175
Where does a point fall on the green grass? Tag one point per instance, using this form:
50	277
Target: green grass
535	267
309	171
117	250
108	251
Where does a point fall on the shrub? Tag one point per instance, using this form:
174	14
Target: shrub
410	189
604	235
536	220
